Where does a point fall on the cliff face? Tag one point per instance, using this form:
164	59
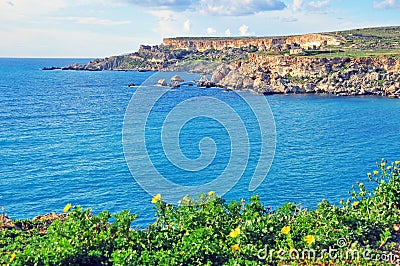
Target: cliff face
308	41
313	41
203	45
318	66
339	76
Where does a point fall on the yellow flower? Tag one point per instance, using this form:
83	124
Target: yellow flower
67	207
235	232
397	162
355	204
369	174
211	193
309	239
376	172
383	164
285	230
396	227
235	247
389	167
13	257
156	198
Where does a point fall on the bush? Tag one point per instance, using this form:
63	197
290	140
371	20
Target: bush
209	231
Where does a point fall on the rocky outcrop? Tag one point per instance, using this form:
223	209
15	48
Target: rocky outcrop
162	82
205	82
308	41
177	78
338	76
51	68
159	58
108	63
176	81
318	66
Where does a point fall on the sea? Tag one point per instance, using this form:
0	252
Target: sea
64	138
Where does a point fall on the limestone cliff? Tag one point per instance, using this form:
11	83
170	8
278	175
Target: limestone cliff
308	41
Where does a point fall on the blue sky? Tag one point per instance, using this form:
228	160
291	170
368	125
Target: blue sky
89	28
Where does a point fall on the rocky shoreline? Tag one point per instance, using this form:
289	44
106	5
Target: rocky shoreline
275	65
337	76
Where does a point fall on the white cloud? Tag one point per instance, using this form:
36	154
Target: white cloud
387	4
26	9
319	4
44	6
213	7
211	30
297	4
175	5
289	19
243	30
228	33
238	8
43	11
186	25
167	22
98	21
105	3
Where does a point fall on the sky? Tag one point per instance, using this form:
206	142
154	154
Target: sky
89	28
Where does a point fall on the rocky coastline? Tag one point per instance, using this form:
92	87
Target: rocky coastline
337	76
359	62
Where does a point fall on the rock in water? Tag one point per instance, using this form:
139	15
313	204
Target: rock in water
162	82
205	82
177	79
175	84
51	68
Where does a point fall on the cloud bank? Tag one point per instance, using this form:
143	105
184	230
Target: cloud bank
387	4
319	4
214	7
297	4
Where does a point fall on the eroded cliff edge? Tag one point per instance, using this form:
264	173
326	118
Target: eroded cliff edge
354	62
286	74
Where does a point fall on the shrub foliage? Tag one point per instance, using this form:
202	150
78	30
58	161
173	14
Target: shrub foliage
362	229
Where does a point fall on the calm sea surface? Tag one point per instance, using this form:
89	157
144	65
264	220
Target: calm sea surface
61	141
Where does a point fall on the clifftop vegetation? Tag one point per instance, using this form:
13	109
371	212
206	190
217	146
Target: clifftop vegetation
375	42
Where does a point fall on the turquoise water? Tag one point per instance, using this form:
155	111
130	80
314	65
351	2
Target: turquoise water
61	141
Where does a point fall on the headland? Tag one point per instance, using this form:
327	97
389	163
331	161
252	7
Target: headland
352	62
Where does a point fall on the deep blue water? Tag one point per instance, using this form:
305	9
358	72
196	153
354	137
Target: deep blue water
61	141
